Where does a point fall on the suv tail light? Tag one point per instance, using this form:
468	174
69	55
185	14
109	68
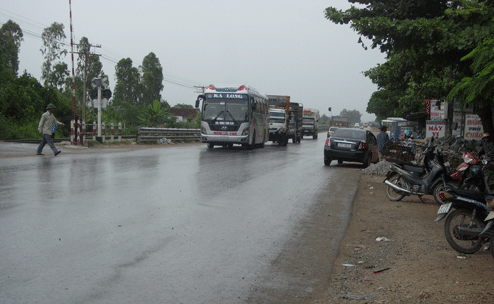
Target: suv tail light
363	146
328	142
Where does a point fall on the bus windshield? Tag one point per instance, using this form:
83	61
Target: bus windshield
226	109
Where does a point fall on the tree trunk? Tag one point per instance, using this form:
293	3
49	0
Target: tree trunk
485	114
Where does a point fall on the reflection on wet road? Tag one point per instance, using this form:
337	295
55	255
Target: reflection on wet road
175	225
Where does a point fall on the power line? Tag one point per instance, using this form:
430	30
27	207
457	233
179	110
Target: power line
35	23
167	77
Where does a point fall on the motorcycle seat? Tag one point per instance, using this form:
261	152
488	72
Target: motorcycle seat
415	169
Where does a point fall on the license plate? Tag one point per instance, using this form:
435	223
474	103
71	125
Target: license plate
444	208
345	145
490	216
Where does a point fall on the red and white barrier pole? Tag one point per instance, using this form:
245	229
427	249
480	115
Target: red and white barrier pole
112	132
72	132
78	133
119	131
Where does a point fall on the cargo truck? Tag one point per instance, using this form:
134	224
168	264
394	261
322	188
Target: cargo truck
339	122
296	122
285	119
310	123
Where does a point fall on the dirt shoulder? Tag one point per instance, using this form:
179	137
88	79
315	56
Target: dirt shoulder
417	263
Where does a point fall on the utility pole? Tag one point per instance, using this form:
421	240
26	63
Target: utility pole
74	104
74	111
86	52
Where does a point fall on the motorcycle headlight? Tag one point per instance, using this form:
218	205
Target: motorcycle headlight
475	171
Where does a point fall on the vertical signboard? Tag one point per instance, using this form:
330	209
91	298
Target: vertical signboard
436	112
459	112
457	119
435	128
473	127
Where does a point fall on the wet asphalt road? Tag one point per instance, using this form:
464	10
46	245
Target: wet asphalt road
171	225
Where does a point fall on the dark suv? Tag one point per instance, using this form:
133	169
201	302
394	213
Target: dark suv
353	145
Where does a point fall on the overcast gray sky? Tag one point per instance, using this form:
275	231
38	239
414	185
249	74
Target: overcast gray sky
278	47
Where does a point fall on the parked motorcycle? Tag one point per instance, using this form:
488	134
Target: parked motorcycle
471	174
489	227
465	212
401	181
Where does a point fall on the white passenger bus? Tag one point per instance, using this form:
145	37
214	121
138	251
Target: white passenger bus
233	115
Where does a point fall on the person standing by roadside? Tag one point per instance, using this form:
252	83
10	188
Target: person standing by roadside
45	129
382	138
487	144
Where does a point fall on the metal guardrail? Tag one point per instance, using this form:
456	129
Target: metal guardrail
155	134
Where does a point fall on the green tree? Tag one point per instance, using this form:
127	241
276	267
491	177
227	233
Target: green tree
155	115
57	78
480	85
354	116
426	40
11	37
324	120
22	100
152	79
127	87
127	93
52	51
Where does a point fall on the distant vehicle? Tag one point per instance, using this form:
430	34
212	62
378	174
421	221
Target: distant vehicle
331	131
310	122
293	119
233	115
339	121
353	145
278	126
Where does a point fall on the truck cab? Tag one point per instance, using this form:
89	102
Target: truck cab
309	127
310	123
278	126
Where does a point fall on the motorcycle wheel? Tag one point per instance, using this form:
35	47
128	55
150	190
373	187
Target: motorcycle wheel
462	243
440	188
391	193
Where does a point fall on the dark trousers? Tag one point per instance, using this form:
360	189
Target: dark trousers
46	140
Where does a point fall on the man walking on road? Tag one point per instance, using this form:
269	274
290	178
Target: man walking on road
44	129
382	138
